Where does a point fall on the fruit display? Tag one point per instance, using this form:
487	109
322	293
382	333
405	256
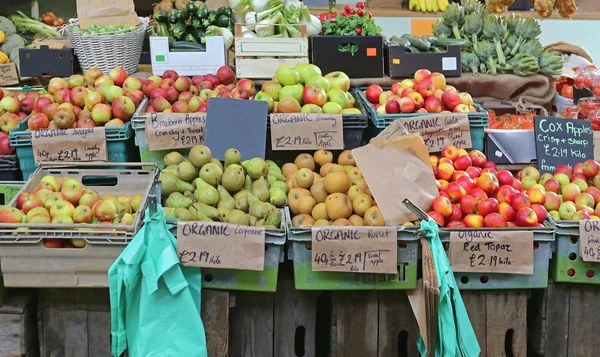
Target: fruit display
51	20
588	78
66	201
428	5
511	121
303	89
96	30
544	8
324	193
180	94
425	93
496	44
201	188
354	21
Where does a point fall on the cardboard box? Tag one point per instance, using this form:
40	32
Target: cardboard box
187	63
399	63
48	62
367	62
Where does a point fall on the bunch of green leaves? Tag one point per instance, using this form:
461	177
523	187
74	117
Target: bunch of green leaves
346	26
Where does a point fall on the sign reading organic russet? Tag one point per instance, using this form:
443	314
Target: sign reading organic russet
78	144
306	131
166	131
8	74
221	245
589	240
489	251
437	131
355	249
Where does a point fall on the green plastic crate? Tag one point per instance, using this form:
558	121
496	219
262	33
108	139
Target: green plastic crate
542	252
567	266
306	279
8	190
118	144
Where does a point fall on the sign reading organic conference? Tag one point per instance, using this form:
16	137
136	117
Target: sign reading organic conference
589	240
221	245
166	131
489	251
306	131
355	249
78	144
440	130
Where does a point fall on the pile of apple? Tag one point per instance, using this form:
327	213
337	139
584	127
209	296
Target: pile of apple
426	93
567	194
64	200
303	89
180	94
474	195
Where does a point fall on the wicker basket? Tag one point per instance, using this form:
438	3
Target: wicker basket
108	50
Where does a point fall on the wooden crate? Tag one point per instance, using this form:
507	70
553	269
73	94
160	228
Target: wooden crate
293	51
563	321
597	145
18	325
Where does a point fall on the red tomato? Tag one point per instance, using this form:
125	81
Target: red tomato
567	92
596	91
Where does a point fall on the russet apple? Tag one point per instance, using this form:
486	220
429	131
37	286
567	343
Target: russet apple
55	84
91	75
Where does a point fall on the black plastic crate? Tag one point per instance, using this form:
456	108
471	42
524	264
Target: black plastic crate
9	168
367	62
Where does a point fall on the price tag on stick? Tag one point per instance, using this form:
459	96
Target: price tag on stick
221	245
489	251
165	131
589	240
355	249
67	145
307	131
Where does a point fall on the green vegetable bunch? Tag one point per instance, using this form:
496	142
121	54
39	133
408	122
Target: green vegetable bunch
105	30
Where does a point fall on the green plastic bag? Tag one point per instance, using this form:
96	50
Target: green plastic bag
155	301
456	335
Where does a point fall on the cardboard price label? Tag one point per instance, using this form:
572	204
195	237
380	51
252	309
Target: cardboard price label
307	131
221	245
8	74
85	144
509	252
437	131
166	131
589	240
355	249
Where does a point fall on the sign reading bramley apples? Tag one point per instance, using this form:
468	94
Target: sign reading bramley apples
78	144
166	131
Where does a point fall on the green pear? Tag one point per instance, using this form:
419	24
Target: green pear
237	217
241	200
211	173
200	155
280	184
171	183
237	168
256	167
183	214
208	211
251	198
178	200
223	212
225	199
251	219
232	156
218	163
271	179
171	168
270	207
186	171
260	189
173	158
248	184
260	223
233	179
169	212
275	170
258	209
274	219
277	196
201	217
206	193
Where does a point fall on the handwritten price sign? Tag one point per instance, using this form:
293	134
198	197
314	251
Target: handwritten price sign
356	249
439	131
307	131
175	130
72	145
8	74
589	240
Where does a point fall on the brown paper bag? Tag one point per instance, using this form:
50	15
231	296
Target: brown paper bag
106	13
395	169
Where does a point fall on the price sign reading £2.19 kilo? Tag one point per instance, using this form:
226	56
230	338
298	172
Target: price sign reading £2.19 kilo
68	145
307	131
589	240
355	249
165	131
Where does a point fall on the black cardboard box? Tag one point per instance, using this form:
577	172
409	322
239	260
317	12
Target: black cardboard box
367	61
399	63
48	62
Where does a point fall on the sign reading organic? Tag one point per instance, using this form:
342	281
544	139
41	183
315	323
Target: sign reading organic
8	74
221	245
166	131
355	249
439	131
589	240
560	141
306	131
78	144
489	251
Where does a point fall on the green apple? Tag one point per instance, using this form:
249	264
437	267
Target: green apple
338	96
332	108
338	80
351	111
272	88
287	76
311	108
265	98
294	91
350	98
320	80
306	71
112	93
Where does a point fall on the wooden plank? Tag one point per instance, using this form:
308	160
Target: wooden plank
548	321
215	316
398	329
506	323
10	335
295	320
355	314
475	304
99	335
251	334
584	321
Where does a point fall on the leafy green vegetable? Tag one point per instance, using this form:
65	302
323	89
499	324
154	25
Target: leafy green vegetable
526	30
485	52
472	28
494	29
13	42
454	17
7	26
551	63
532	47
441	30
469	62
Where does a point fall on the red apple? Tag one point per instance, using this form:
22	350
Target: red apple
392	107
526	217
479	194
373	92
506	210
520	200
565	169
436	217
425	88
505	177
473	171
590	168
466	182
455	216
474	221
505	193
314	94
443	206
487	206
494	220
148	87
456	191
171	74
462	163
540	212
468	204
478	158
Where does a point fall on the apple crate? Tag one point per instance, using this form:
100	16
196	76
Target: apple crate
542	252
307	279
26	262
9	168
290	51
8	190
